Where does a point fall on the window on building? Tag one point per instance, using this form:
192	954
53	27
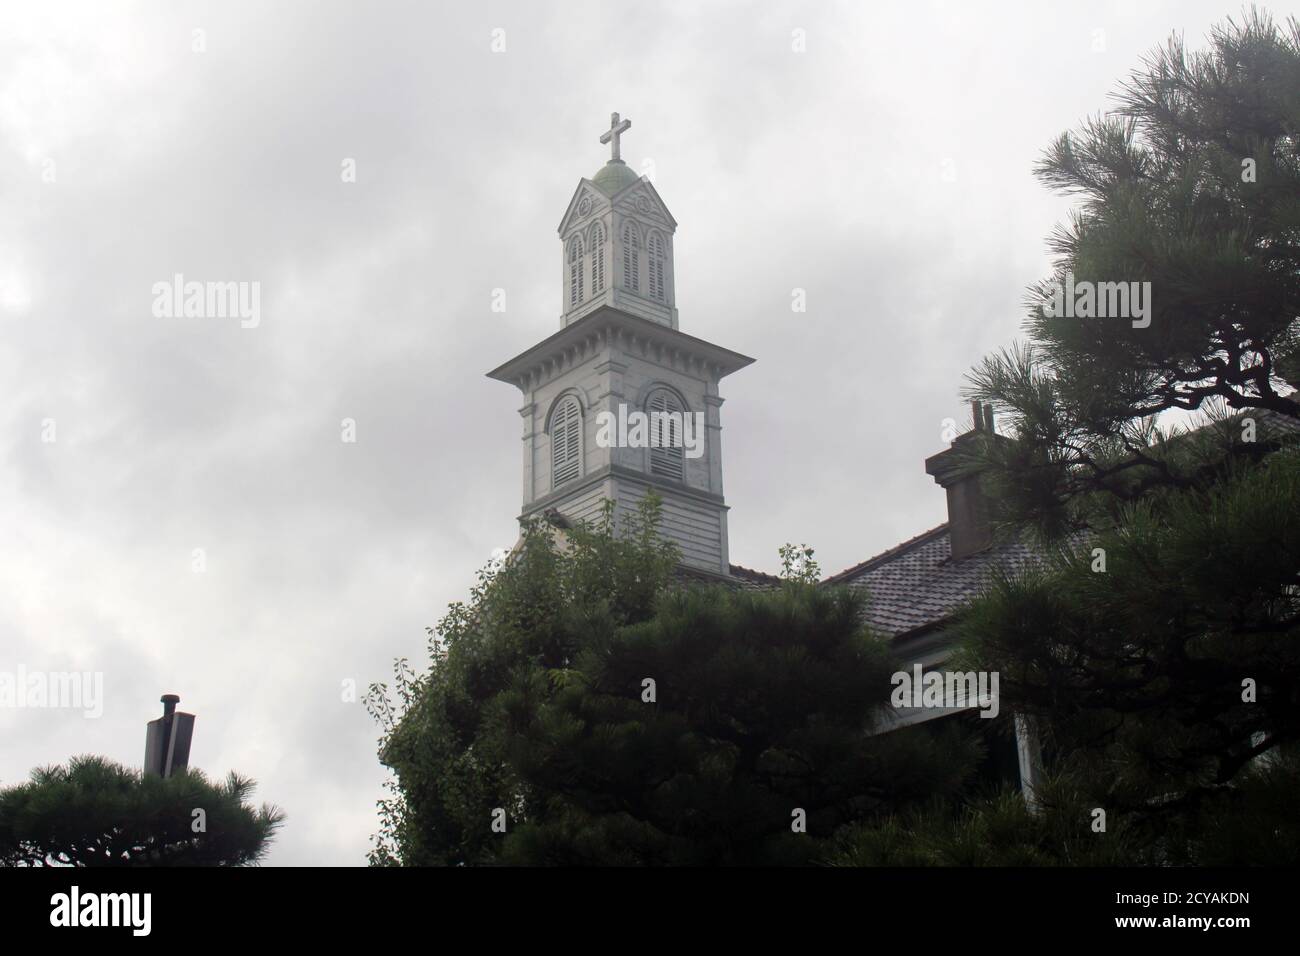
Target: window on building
575	271
597	259
656	254
666	416
631	257
566	442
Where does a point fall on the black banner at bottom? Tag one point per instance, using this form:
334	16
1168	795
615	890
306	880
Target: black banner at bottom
338	905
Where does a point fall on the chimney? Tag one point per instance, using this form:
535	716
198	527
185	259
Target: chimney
968	523
167	740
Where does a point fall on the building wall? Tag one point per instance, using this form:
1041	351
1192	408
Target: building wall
1011	737
694	514
699	528
633	386
587	382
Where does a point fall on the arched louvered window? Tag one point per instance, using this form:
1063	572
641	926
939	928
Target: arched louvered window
566	442
597	259
656	253
666	419
575	271
631	258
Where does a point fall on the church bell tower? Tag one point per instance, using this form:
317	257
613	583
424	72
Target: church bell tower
619	401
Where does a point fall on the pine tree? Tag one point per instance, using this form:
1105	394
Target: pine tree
730	728
94	812
1158	641
1191	185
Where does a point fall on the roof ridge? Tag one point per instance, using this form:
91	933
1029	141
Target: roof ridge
740	571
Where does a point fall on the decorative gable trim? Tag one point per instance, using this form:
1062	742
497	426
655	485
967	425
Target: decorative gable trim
641	201
587	203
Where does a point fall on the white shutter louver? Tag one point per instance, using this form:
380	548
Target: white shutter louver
566	443
575	271
666	452
631	259
597	259
655	250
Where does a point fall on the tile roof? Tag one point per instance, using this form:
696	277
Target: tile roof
917	585
741	579
754	580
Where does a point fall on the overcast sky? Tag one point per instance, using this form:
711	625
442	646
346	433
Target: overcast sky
886	170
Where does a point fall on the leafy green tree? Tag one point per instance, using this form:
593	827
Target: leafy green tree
798	564
602	713
1157	643
94	812
443	731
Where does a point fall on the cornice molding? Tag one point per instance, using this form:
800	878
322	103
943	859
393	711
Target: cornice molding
608	328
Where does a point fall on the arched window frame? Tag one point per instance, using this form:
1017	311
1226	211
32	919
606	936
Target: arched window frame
565	430
666	456
575	271
631	256
596	242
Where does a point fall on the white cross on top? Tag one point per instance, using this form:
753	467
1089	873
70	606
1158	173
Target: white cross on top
616	129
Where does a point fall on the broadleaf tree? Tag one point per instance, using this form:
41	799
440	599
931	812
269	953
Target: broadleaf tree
591	706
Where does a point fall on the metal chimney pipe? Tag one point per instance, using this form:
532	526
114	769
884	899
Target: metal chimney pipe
167	739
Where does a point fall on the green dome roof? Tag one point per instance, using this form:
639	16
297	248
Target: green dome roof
614	177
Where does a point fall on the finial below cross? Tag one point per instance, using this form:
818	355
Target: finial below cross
616	129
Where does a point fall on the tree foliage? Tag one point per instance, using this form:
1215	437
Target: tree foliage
604	713
442	732
1253	822
93	812
1161	651
1191	184
1157	640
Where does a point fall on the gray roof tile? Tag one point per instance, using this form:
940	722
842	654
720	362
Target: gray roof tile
917	585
